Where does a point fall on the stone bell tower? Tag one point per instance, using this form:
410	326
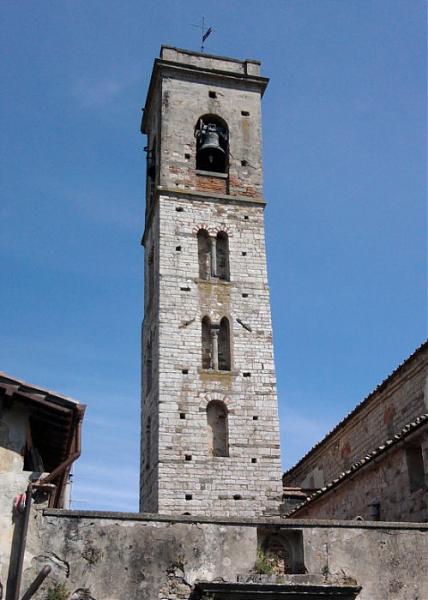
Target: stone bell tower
210	431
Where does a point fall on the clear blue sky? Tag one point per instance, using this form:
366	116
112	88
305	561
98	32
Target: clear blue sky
345	180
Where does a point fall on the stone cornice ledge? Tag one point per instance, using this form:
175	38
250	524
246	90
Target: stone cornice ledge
245	522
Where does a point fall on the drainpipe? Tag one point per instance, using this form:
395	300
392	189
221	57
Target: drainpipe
37	583
21	550
45	484
60	469
49	488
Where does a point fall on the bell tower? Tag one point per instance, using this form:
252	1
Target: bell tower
210	430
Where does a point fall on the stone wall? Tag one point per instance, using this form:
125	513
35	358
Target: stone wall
397	402
251	472
13	436
381	490
102	556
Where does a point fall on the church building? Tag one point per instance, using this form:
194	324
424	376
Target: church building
215	522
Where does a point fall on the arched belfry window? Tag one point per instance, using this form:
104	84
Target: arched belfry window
206	344
222	255
224	345
212	144
204	254
213	255
218	434
216	345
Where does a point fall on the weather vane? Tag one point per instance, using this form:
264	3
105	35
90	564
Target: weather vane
204	32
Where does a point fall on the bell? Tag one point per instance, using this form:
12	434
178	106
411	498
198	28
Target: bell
211	156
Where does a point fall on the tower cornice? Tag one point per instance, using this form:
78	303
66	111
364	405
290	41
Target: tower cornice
239	76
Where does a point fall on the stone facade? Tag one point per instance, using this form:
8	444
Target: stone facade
180	471
390	484
398	401
102	556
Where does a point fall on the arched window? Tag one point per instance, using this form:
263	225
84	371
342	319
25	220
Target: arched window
148	442
206	343
222	256
224	363
212	144
218	434
204	254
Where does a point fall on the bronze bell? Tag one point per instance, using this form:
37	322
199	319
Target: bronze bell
211	155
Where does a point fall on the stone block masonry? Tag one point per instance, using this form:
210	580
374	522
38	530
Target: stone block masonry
210	422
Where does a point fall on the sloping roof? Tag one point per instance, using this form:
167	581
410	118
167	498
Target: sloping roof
422	348
11	385
53	417
368	458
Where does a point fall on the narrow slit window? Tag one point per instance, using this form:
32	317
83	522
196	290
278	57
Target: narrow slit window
204	254
148	442
206	343
148	363
224	362
150	275
222	256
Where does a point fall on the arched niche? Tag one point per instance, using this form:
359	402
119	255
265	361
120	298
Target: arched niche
218	429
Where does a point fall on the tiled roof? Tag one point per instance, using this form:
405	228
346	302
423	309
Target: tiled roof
422	348
10	385
369	457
